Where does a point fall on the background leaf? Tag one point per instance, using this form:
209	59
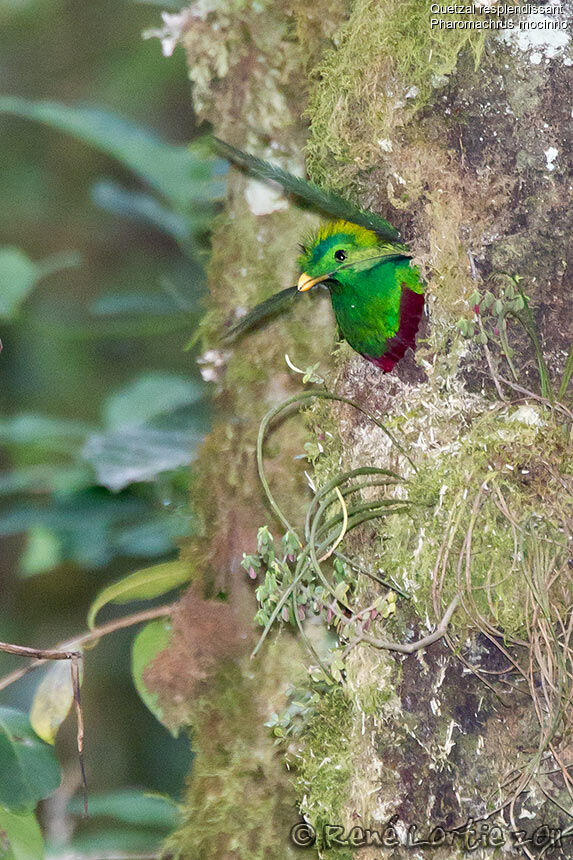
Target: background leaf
53	699
22	838
138	454
155	424
136	204
42	431
43	552
29	770
176	172
147	397
144	584
134	302
19	275
150	640
91	527
116	843
131	807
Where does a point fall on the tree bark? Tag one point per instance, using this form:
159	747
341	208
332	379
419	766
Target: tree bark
461	137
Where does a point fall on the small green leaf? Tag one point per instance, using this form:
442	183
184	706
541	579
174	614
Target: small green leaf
475	298
20	836
488	300
152	639
340	591
46	478
29	770
144	584
52	701
310	374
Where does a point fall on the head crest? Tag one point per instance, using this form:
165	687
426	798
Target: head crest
332	233
359	235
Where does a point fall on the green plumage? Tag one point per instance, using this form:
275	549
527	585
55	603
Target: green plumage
377	296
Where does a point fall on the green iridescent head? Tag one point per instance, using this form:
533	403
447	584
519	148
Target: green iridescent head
333	252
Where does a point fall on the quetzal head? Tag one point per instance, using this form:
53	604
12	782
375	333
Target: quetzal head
338	252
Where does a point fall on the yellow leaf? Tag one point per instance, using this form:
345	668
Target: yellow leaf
53	700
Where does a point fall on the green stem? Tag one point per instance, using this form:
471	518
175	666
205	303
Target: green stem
339	480
313	557
568	371
309	646
396	504
506	349
387	583
300	398
528	323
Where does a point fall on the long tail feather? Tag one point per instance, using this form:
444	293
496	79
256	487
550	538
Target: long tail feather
261	313
326	201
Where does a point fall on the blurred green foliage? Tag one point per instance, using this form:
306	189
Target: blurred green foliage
152	425
102	252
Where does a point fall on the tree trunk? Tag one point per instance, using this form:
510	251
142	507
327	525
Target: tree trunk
460	137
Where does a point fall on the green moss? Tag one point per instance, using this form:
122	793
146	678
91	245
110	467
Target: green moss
387	58
372	680
324	764
478	509
240	803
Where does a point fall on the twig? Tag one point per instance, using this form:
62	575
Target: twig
412	647
489	360
42	654
62	652
559	406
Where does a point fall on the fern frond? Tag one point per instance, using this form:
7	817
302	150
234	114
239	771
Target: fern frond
325	201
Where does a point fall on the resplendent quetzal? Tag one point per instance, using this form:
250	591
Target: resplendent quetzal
377	296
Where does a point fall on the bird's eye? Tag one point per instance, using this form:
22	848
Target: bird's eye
340	256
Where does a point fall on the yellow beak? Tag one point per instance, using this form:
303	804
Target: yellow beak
305	282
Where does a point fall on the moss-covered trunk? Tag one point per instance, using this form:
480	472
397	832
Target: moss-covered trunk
460	136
